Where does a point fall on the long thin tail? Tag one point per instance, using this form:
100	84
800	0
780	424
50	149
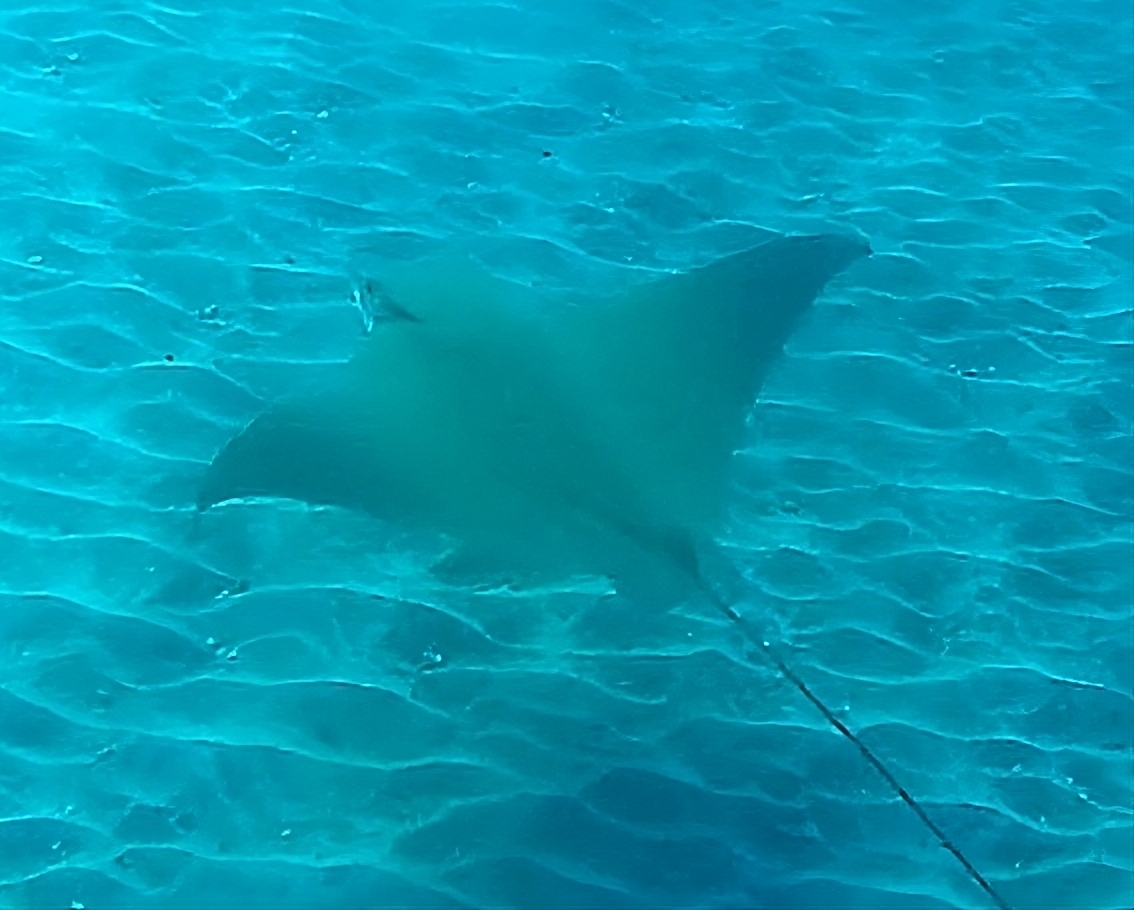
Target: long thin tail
768	653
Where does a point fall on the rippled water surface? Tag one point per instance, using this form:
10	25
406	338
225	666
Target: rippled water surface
270	705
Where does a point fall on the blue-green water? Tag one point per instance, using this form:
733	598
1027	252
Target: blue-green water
934	505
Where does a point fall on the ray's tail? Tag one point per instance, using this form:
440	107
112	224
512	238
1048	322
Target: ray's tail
769	655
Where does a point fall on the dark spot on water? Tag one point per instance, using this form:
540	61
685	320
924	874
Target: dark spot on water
169	358
1084	223
185	822
290	260
327	734
148	825
1091	417
546	153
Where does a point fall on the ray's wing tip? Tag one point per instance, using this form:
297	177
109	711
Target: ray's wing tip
862	244
837	251
853	243
208	492
225	477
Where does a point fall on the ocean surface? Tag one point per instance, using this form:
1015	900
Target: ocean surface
270	705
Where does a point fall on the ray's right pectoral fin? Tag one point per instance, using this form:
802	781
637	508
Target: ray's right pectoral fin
292	451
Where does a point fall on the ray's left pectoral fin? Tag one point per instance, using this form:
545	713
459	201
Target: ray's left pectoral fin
293	451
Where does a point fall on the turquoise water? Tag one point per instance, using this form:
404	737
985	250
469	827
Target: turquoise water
933	508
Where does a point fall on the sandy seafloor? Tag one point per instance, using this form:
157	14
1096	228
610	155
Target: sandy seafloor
933	507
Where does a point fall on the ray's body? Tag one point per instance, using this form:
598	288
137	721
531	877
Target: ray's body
549	440
556	441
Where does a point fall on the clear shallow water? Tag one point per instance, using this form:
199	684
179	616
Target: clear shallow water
934	506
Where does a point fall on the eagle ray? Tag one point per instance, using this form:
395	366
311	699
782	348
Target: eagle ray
551	440
594	438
